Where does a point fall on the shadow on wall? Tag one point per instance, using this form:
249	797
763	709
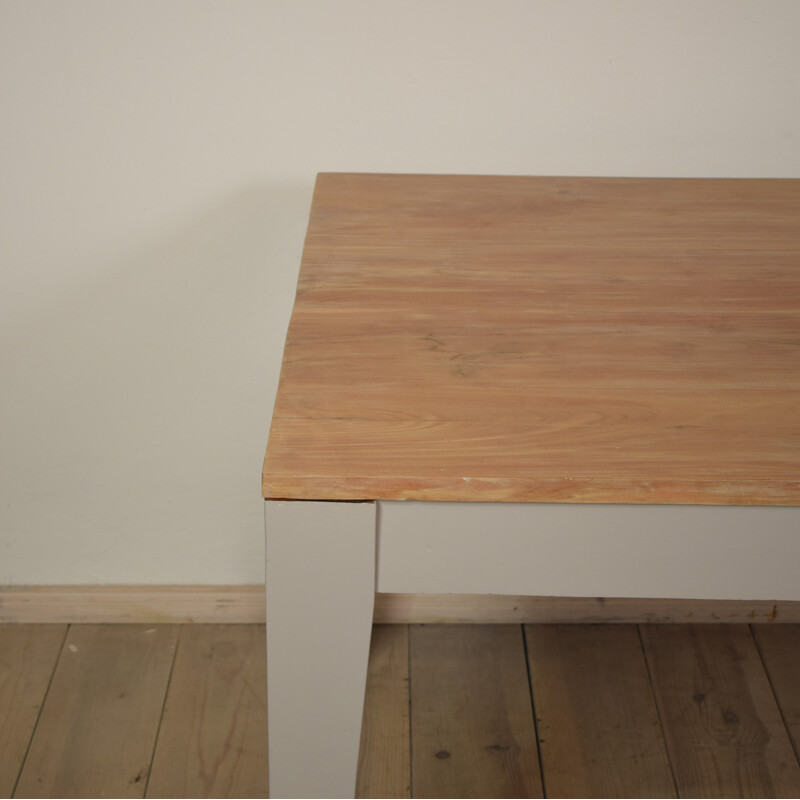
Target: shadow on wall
137	407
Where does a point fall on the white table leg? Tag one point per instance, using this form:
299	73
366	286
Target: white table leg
320	595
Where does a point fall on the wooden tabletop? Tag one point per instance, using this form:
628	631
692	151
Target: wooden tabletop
543	340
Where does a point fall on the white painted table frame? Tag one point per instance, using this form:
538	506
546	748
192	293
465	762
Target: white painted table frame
326	560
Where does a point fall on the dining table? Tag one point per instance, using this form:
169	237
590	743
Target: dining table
522	385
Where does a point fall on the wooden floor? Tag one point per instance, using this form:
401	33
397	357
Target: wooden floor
452	711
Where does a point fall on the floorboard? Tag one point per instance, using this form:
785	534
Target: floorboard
384	768
28	655
722	725
213	736
99	722
170	711
599	732
779	646
471	718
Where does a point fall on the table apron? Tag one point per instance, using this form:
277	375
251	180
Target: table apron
589	550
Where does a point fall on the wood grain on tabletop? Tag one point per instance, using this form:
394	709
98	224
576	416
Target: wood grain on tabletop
550	339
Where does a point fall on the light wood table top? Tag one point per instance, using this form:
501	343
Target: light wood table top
543	340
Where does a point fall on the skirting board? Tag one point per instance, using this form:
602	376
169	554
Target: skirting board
245	604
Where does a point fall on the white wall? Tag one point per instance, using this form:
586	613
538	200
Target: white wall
156	164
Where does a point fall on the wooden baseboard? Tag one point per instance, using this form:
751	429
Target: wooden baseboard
185	604
465	608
